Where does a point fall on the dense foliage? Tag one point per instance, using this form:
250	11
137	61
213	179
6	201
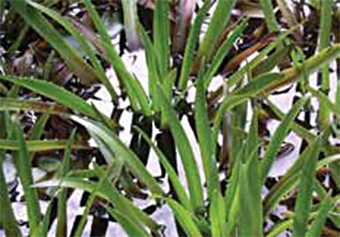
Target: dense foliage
213	69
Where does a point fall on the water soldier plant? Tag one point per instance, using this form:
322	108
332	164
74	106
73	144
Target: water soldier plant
227	189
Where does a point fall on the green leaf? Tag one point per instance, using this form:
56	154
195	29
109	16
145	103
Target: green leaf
112	142
153	68
40	145
328	160
218	21
269	14
131	24
167	86
108	192
137	96
259	84
11	104
271	61
22	162
227	104
291	178
205	139
102	181
161	37
252	141
234	121
62	195
3	89
247	219
324	39
42	230
46	30
38	129
253	88
180	191
325	100
279	228
39	126
130	227
47	69
253	176
278	137
223	51
301	131
312	64
186	153
304	197
7	218
325	207
191	44
54	92
237	76
99	70
231	195
217	214
184	218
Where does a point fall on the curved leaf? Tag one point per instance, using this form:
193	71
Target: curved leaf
112	142
54	92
